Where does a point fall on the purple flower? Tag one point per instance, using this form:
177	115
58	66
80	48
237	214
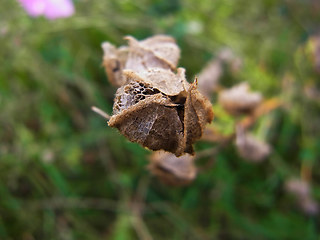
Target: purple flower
51	9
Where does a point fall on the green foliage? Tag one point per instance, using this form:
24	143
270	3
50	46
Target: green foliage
65	175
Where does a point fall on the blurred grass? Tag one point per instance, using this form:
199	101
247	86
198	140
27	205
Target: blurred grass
65	175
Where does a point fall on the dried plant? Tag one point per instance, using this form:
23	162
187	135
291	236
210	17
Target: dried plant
155	106
158	108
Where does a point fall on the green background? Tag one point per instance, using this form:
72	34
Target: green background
64	174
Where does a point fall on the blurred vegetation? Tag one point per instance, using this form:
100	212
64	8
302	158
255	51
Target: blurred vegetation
65	175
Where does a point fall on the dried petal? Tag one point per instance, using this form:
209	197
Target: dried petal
171	169
239	100
249	147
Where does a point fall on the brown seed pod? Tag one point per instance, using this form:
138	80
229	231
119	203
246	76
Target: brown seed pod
155	106
173	170
157	121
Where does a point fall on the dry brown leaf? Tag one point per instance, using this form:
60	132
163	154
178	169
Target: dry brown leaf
173	170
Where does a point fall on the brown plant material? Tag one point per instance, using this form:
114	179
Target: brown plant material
114	61
145	115
173	170
238	99
159	51
154	106
249	147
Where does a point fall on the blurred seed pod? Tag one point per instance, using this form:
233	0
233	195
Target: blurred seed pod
301	190
208	78
238	99
173	170
309	206
297	187
249	147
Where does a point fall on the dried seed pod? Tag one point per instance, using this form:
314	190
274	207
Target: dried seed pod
157	121
238	99
173	170
155	106
249	147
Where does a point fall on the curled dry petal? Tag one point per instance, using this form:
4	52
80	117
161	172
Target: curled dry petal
171	169
238	99
249	147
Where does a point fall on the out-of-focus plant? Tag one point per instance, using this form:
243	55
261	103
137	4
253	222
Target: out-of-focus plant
51	9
